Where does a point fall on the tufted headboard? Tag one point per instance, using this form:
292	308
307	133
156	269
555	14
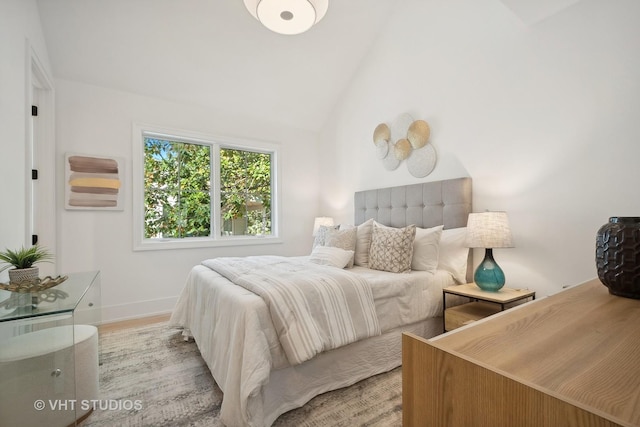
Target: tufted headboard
426	205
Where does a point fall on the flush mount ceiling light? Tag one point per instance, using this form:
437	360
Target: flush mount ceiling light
288	16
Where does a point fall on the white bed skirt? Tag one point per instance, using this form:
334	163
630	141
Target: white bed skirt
292	387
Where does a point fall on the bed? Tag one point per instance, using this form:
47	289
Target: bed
234	327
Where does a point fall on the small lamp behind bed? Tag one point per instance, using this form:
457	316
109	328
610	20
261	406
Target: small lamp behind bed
320	221
489	230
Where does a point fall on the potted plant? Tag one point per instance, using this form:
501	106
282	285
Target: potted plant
23	261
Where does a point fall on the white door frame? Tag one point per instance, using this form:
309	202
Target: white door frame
40	155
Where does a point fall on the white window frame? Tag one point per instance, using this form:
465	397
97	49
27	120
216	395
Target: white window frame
141	243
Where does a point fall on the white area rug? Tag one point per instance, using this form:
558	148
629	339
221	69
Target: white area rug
149	376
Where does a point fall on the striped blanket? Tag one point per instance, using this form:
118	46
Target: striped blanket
314	308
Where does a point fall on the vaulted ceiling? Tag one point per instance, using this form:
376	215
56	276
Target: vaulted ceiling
215	54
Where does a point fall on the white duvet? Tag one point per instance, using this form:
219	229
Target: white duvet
234	332
314	308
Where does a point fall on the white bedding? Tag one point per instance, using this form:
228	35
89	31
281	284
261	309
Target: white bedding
236	338
404	298
314	308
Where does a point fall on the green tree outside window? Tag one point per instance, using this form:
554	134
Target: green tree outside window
245	193
178	187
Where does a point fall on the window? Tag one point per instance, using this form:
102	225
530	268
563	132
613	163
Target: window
245	192
177	189
195	190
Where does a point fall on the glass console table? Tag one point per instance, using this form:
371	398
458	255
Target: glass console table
49	353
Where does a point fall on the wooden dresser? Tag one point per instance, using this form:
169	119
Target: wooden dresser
572	359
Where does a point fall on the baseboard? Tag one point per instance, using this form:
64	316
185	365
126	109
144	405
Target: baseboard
137	309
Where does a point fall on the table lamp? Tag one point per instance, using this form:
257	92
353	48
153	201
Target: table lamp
489	230
320	221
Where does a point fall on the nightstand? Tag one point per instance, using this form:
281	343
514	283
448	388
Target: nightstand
482	303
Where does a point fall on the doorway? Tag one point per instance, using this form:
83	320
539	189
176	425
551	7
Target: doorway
41	161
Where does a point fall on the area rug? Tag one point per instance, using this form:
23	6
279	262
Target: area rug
149	376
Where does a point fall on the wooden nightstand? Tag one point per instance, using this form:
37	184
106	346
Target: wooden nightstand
481	305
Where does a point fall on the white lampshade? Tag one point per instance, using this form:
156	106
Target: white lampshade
488	230
320	221
288	16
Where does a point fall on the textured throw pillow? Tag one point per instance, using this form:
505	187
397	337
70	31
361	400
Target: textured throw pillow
363	243
454	253
327	255
426	248
343	239
321	235
391	248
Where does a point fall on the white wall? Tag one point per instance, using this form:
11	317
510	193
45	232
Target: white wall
97	121
20	33
543	118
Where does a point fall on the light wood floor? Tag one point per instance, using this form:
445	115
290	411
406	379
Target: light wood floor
132	323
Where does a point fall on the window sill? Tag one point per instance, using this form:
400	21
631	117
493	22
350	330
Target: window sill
204	242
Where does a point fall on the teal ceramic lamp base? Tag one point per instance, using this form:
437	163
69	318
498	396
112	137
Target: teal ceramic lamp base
489	276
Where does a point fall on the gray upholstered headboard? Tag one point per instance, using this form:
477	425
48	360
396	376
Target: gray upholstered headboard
425	205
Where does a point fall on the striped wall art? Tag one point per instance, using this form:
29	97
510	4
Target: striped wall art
93	182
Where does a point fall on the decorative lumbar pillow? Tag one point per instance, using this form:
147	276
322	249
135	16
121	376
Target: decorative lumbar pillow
343	239
327	255
454	254
321	235
426	248
391	248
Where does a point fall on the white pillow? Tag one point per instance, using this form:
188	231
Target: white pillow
343	239
426	247
329	255
454	253
363	243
